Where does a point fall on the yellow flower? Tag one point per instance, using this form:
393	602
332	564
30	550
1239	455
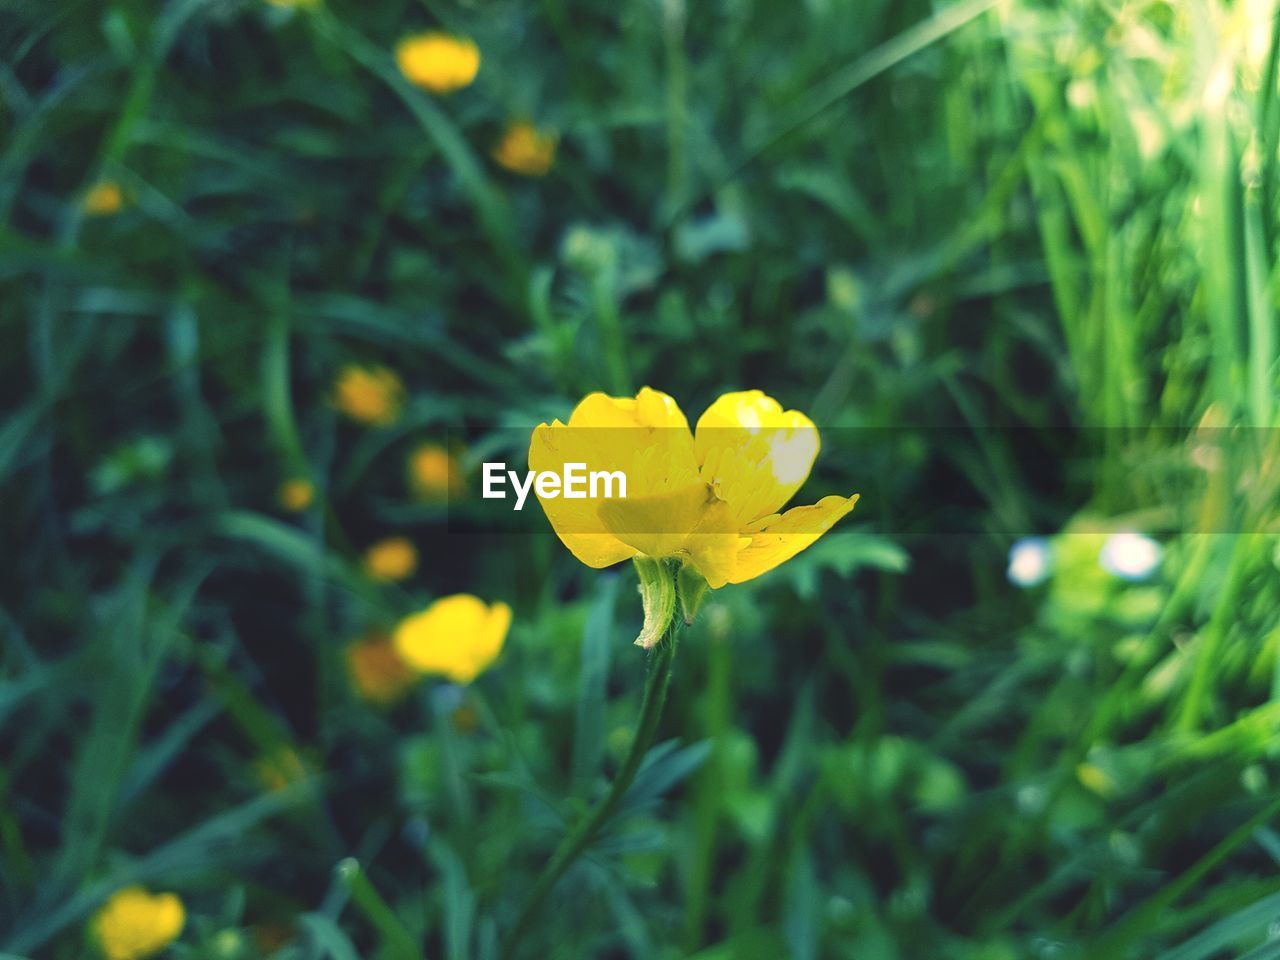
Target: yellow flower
296	494
456	637
280	769
525	149
710	498
437	61
377	671
369	395
394	558
135	923
293	4
103	199
433	472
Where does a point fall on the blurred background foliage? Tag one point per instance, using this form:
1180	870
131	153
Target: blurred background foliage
918	222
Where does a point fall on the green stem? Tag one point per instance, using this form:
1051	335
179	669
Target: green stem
578	839
609	323
398	941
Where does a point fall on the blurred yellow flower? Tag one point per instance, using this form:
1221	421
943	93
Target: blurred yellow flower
394	558
292	4
280	769
103	199
369	395
525	149
438	62
296	494
433	472
377	671
135	923
457	637
709	498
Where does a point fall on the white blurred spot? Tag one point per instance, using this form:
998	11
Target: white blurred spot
1130	556
1219	87
1030	562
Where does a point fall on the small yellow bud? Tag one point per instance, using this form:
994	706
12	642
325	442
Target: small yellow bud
369	395
296	494
103	199
395	558
525	149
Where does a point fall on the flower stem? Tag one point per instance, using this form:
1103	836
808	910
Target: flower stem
577	840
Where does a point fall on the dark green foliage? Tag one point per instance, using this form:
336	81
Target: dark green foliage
1017	260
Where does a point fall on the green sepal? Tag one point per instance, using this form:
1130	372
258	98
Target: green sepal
692	588
658	594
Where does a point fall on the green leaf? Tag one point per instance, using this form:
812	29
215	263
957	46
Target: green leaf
665	766
843	554
458	898
327	937
593	678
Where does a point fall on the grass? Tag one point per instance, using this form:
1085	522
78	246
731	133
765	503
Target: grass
1018	260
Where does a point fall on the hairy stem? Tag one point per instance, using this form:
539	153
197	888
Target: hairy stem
579	838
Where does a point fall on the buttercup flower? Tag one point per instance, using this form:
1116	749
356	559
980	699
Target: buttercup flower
456	637
394	558
103	199
296	494
135	923
707	499
433	472
438	62
378	672
525	149
369	395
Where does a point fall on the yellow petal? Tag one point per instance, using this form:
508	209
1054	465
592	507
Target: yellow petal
690	522
776	539
576	522
754	454
658	525
649	408
489	639
714	546
646	438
